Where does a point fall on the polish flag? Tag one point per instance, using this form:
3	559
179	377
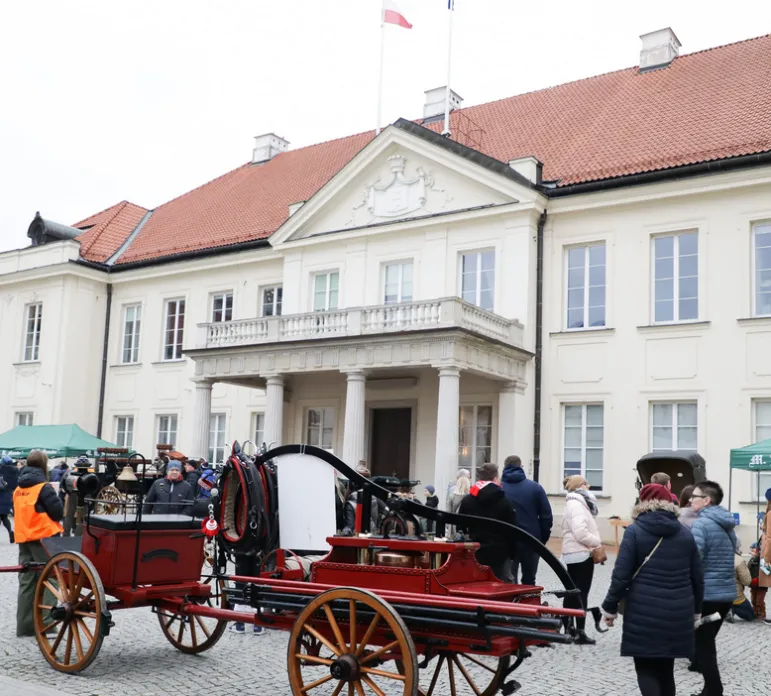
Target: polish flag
393	15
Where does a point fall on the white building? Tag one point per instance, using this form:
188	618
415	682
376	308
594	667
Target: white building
579	275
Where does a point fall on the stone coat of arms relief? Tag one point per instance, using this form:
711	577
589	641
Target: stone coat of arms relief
399	196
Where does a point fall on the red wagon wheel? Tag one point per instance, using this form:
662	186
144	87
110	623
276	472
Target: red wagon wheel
345	667
195	634
69	601
461	674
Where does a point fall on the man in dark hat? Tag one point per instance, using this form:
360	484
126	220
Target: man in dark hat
171	495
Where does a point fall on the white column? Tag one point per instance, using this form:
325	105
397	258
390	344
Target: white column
274	410
447	423
201	417
507	442
353	435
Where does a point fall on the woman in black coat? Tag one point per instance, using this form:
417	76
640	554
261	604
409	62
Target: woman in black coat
9	480
664	599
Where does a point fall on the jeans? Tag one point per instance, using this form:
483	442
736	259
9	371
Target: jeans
528	559
744	611
582	575
706	652
655	676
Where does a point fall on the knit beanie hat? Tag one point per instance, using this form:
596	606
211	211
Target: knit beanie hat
174	464
655	491
430	490
7	460
573	483
768	495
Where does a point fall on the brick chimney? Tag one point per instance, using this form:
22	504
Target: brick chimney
659	49
267	146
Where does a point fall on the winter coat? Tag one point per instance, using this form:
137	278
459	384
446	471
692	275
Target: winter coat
454	502
177	496
10	474
688	516
47	501
192	478
743	579
579	528
57	473
529	500
713	531
765	552
668	591
376	512
490	501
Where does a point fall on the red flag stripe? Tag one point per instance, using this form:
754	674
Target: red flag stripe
393	16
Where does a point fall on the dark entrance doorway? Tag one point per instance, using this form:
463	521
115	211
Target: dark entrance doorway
391	436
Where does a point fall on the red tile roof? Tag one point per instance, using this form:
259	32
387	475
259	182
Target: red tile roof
108	230
705	106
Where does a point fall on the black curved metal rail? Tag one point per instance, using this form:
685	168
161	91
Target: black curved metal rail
440	517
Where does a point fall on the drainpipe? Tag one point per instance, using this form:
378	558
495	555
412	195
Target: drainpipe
538	347
103	381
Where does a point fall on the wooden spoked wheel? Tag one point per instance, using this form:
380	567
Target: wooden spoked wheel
195	634
459	674
109	501
344	622
69	601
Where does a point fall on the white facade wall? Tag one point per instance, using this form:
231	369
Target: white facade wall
720	362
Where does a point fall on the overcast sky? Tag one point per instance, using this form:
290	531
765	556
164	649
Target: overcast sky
106	100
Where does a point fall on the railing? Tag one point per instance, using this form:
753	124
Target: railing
450	312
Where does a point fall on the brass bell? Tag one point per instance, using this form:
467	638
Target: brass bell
127	474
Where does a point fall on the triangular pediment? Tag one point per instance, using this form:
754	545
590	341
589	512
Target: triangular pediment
401	177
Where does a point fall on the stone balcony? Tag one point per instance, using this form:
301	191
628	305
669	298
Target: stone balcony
445	313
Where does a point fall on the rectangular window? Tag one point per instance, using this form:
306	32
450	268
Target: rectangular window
477	278
271	301
320	430
585	287
132	320
398	282
475	439
674	427
258	429
25	418
167	430
217	422
762	418
222	307
34	321
584	442
325	291
676	278
175	329
762	262
124	431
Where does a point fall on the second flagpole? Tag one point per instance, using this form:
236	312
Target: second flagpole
446	131
382	65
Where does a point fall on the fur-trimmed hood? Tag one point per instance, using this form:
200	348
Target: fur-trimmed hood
651	505
657	517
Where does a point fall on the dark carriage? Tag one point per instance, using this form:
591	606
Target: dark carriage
684	468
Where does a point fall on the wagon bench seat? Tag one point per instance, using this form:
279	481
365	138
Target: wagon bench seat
150	523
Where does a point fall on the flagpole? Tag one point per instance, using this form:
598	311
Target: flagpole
446	131
382	65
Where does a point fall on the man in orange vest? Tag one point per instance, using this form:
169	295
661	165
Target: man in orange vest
37	512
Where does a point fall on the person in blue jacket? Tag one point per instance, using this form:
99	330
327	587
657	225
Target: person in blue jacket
716	540
9	480
658	574
534	515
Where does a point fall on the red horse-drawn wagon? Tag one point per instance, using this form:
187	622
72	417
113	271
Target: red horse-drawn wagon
375	614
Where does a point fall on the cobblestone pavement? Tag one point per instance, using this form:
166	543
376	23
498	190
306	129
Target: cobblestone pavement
136	660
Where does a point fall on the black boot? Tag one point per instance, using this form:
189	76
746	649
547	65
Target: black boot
12	537
583	639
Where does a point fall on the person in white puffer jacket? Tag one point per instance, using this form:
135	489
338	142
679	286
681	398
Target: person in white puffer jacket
579	536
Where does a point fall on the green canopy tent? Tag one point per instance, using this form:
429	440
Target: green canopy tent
57	441
755	458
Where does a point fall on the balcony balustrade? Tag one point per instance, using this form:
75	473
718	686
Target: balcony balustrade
445	313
